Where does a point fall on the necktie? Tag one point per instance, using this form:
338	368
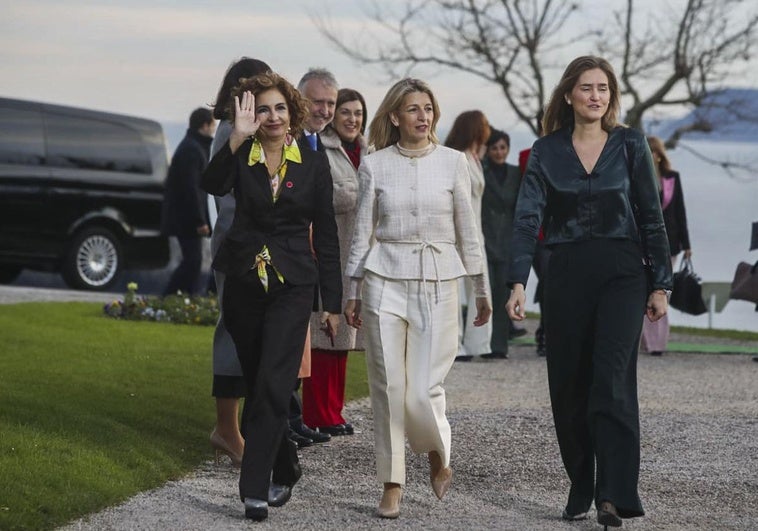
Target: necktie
313	141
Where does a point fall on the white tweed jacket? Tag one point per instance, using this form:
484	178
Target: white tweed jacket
414	219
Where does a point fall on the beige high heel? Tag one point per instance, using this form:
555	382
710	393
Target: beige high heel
389	506
440	477
220	446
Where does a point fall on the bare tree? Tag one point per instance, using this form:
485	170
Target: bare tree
681	57
670	56
503	42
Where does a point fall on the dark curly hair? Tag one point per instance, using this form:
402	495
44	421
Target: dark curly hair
296	104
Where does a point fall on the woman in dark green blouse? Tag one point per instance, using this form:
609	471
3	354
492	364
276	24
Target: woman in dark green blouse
591	184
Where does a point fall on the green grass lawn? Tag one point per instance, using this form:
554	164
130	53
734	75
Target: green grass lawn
94	410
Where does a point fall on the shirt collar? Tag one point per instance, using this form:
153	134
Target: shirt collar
290	152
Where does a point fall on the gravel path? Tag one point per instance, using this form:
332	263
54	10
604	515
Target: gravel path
699	417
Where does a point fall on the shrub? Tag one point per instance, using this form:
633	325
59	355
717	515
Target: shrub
178	309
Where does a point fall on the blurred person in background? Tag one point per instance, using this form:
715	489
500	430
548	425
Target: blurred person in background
185	209
469	135
501	186
345	147
655	334
320	87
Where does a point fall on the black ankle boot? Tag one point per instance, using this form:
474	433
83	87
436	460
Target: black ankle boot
256	509
278	495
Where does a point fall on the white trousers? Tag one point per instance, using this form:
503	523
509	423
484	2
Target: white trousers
472	340
411	331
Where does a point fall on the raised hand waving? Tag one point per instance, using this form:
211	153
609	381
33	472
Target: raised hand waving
246	122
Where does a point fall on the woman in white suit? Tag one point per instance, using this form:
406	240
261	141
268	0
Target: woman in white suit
415	236
469	135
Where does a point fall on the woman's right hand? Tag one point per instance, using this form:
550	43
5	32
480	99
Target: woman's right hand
246	121
353	313
516	305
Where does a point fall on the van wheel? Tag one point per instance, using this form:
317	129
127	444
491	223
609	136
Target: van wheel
94	259
8	274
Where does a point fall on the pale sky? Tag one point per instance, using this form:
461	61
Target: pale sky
161	59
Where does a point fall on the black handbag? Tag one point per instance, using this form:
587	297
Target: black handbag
745	283
687	295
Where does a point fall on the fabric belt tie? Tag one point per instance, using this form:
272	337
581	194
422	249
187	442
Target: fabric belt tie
262	260
432	247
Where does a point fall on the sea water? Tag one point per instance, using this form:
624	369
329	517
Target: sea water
720	211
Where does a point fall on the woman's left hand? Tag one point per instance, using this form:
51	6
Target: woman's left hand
657	305
687	253
329	324
483	311
353	313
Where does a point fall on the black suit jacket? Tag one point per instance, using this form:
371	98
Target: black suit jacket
305	198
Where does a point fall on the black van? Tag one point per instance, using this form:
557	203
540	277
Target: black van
80	193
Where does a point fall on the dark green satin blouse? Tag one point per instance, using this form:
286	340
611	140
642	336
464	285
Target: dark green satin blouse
619	199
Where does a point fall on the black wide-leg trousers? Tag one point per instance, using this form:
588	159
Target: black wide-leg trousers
268	329
501	323
595	300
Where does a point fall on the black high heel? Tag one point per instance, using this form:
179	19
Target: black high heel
607	515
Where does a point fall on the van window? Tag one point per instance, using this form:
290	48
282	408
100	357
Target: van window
94	145
21	137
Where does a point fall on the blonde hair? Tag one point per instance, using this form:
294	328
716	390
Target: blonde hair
382	132
559	113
